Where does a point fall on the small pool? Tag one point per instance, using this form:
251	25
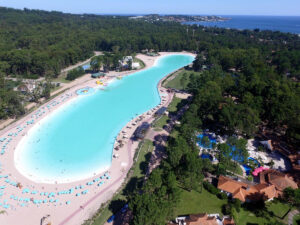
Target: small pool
255	161
86	66
85	91
206	156
247	169
211	140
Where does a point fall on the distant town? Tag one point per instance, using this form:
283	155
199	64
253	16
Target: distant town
179	18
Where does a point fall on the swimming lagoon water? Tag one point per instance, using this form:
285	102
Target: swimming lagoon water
76	140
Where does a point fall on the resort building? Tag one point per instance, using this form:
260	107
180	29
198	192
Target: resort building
98	75
246	191
228	221
124	63
203	219
161	111
26	87
278	179
135	65
267	144
141	131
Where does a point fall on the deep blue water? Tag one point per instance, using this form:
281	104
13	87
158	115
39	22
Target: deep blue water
289	24
212	140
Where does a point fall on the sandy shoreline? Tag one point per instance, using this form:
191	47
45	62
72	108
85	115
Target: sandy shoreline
72	213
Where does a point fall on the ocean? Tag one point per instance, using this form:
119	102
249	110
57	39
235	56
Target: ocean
286	24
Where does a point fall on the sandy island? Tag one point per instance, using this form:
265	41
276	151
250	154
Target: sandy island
27	202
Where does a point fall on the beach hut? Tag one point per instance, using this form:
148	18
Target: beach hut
98	75
161	111
141	131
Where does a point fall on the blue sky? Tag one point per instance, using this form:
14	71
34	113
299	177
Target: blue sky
216	7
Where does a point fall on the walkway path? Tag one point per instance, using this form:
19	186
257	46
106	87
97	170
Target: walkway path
291	216
80	63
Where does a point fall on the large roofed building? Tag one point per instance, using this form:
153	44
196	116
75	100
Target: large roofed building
246	192
278	179
203	219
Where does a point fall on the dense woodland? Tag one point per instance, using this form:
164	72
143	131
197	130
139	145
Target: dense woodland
36	43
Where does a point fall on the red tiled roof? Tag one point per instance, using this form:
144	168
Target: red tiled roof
243	191
201	219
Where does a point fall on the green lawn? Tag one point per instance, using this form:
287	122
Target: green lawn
142	64
181	80
296	220
143	159
279	209
235	168
173	105
161	122
194	202
246	217
232	167
120	199
61	79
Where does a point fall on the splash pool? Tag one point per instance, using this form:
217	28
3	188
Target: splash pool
76	140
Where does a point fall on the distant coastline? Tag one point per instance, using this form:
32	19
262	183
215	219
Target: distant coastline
287	24
179	18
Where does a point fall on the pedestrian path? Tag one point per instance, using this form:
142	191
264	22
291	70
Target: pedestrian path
291	216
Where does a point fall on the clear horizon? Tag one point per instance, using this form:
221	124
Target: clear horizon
188	7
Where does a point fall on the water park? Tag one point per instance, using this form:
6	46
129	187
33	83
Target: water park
208	141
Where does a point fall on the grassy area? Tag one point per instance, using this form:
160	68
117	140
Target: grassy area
173	105
142	64
246	217
235	168
232	167
55	88
296	220
61	79
192	202
143	159
279	209
181	79
139	169
160	122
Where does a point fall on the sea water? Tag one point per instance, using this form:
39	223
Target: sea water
289	24
76	140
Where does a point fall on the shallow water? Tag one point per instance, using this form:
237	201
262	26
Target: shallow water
76	140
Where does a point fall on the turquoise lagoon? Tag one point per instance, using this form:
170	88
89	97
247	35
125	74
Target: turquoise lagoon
76	140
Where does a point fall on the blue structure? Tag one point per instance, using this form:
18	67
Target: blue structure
86	66
111	219
211	139
85	91
206	156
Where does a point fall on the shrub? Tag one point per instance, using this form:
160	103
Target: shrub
236	203
250	178
222	195
205	141
211	188
75	73
226	209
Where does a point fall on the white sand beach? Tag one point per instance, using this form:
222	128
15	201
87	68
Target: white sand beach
26	200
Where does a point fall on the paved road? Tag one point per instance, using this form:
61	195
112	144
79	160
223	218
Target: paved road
291	216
